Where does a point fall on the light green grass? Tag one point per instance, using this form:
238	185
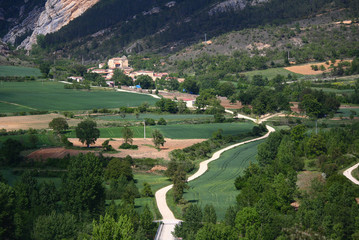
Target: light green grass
6	71
7	107
156	182
346	112
167	117
178	131
271	73
53	96
334	90
198	131
216	186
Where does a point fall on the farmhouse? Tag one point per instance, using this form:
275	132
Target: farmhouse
121	63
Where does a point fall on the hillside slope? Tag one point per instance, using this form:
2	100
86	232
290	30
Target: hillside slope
121	26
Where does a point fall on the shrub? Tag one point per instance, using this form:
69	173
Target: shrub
128	146
161	121
150	121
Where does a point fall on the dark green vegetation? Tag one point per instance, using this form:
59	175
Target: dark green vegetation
35	209
117	15
6	71
215	186
167	117
327	210
53	96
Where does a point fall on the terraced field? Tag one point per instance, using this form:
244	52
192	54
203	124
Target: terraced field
52	96
271	73
216	186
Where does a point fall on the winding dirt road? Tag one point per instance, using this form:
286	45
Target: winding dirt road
348	174
168	219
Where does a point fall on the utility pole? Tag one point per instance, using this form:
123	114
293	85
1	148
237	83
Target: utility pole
144	130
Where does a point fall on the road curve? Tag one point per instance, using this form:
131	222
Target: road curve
348	174
168	219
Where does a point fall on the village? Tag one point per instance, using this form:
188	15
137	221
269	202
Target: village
106	70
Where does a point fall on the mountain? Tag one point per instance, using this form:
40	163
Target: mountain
31	20
112	27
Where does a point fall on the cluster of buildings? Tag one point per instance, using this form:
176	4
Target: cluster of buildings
122	64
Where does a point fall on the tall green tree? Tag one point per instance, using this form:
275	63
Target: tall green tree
82	189
209	214
55	226
7	206
108	229
127	134
158	138
59	124
87	132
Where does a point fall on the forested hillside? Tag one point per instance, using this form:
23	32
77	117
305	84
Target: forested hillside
111	27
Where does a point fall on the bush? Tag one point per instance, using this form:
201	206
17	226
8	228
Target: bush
161	121
128	146
150	121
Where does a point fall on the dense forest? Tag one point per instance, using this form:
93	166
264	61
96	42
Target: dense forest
80	208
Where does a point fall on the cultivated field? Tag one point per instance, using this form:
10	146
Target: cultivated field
306	69
271	73
167	117
194	131
6	71
178	131
31	121
216	186
53	96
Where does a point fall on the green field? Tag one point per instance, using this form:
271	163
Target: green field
7	107
53	96
271	73
216	186
178	131
167	117
7	71
346	112
334	90
194	131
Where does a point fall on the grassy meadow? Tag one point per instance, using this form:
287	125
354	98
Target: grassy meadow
216	186
271	73
52	96
178	131
7	71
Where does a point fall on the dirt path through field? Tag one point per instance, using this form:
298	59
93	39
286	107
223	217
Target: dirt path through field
169	221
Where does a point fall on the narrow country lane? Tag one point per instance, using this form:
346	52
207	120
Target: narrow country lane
348	174
168	219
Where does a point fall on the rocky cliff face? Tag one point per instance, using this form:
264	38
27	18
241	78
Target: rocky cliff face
52	17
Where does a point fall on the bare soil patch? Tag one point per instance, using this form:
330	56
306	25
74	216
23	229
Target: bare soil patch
31	121
59	152
145	149
305	179
306	69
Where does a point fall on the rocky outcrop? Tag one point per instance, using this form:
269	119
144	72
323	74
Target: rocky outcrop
51	18
230	5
